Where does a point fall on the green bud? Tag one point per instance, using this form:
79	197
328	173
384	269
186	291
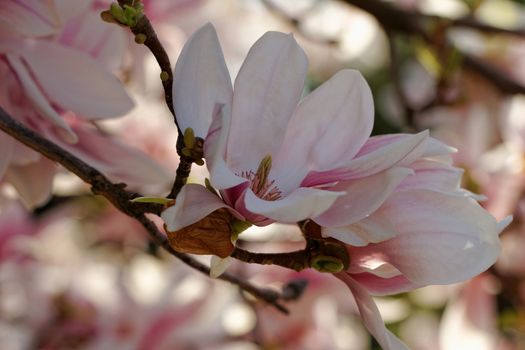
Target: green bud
140	38
108	17
117	12
131	14
164	76
189	138
329	264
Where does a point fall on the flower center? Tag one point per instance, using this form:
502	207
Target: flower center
259	183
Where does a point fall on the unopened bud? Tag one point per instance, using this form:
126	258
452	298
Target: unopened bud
330	264
164	76
140	38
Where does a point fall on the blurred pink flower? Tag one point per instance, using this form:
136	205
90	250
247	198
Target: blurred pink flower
470	318
56	60
272	158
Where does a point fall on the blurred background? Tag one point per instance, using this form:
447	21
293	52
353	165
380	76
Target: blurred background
77	274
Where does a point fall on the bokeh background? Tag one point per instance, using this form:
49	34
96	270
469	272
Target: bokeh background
77	274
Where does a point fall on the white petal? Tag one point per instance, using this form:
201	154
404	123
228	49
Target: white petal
267	90
193	203
301	204
201	80
371	316
33	182
379	153
218	265
29	17
362	198
221	176
440	239
75	81
369	230
37	98
327	129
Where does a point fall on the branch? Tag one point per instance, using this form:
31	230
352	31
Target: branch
411	22
145	34
120	198
395	19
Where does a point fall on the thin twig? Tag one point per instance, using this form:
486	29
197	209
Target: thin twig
182	174
297	260
120	198
395	19
151	41
144	28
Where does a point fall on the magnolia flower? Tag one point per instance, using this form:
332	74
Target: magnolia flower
394	200
272	156
429	231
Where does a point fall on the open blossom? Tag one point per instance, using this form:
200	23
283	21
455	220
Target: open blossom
394	200
272	156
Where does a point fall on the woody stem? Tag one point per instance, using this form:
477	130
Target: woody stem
297	260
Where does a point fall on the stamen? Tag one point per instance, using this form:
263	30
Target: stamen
259	183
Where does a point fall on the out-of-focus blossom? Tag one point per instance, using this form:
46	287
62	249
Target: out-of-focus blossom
55	62
272	159
15	224
469	321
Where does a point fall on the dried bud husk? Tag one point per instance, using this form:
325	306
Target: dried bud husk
211	235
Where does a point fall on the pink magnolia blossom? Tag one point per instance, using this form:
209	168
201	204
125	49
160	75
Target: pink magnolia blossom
395	200
56	59
429	231
272	156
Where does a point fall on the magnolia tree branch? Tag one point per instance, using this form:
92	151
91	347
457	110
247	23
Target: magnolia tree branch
395	19
120	198
145	34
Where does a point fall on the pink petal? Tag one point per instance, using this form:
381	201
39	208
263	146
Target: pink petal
201	80
267	90
362	198
194	202
470	319
379	153
440	239
370	315
379	286
133	167
437	148
75	81
434	176
372	229
37	98
301	204
327	129
105	43
221	177
29	17
33	182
